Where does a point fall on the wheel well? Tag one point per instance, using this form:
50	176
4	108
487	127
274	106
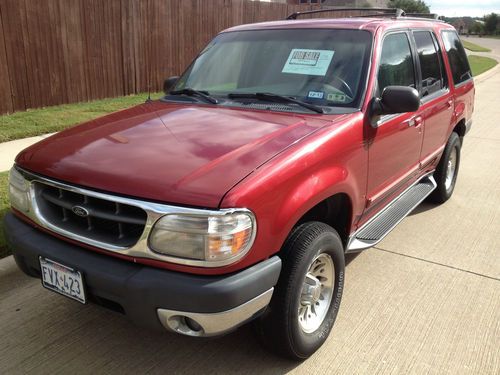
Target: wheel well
335	211
460	129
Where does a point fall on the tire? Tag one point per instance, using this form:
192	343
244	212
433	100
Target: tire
283	328
446	178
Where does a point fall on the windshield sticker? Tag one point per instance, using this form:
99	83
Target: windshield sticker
314	62
316	94
336	98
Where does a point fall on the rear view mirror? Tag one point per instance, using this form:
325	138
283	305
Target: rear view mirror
396	99
169	83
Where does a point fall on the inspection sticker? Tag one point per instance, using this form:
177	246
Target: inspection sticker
336	98
315	94
313	62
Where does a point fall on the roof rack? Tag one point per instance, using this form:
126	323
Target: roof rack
379	12
372	12
432	16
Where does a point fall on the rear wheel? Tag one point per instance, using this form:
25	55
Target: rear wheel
447	170
308	294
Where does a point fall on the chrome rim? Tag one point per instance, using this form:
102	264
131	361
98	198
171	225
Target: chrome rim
317	292
450	169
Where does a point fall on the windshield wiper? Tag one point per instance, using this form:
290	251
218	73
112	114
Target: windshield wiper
198	93
275	98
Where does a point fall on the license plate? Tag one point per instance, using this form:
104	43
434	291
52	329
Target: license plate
62	279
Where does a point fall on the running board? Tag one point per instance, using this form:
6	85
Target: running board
378	227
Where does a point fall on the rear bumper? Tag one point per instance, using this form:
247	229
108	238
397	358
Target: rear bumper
151	297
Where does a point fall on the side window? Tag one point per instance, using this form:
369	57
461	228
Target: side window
456	55
430	62
396	63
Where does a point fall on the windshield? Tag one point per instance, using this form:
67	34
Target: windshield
324	67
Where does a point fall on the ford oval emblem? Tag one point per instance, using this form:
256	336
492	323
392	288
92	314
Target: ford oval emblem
80	211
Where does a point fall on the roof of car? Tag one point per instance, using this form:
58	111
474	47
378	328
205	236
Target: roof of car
361	23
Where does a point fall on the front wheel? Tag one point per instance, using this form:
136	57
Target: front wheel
308	294
447	170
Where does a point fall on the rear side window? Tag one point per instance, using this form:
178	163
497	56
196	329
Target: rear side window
396	62
456	55
430	62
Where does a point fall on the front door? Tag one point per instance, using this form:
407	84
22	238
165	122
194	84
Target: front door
395	144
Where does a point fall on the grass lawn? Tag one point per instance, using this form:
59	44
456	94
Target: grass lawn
52	119
480	64
474	47
4	207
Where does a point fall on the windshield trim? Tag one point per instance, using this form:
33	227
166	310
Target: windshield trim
232	104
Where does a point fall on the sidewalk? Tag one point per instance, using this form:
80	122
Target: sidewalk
9	150
490	43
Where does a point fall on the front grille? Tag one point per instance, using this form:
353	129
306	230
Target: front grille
100	220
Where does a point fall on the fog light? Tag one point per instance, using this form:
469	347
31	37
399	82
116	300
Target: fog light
193	325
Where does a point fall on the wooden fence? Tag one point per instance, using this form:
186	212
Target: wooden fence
66	51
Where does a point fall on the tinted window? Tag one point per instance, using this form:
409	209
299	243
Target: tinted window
457	57
430	62
396	63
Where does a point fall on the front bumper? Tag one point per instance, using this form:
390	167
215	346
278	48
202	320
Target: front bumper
194	305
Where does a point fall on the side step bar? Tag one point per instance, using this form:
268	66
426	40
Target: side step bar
378	227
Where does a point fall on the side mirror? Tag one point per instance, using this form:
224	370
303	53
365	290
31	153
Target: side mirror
169	83
396	99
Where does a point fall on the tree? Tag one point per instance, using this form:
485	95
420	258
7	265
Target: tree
410	6
477	28
365	4
491	23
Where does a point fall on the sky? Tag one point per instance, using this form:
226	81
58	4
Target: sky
457	8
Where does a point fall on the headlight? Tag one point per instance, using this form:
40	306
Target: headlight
18	191
220	239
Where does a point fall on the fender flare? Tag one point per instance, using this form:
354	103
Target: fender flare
312	191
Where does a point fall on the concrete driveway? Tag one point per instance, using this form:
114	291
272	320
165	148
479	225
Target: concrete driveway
426	300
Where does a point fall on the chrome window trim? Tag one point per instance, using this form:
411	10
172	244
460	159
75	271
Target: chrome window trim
463	83
435	95
154	212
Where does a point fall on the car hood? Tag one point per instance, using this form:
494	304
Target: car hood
173	153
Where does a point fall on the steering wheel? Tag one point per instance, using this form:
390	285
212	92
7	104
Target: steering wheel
344	84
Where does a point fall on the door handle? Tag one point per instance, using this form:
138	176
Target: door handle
415	121
449	103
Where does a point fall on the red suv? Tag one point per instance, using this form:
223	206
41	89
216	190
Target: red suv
283	146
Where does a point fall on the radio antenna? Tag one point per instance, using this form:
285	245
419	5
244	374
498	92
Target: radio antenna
148	49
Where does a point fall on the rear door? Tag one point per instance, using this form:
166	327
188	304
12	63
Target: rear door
395	144
461	75
437	101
